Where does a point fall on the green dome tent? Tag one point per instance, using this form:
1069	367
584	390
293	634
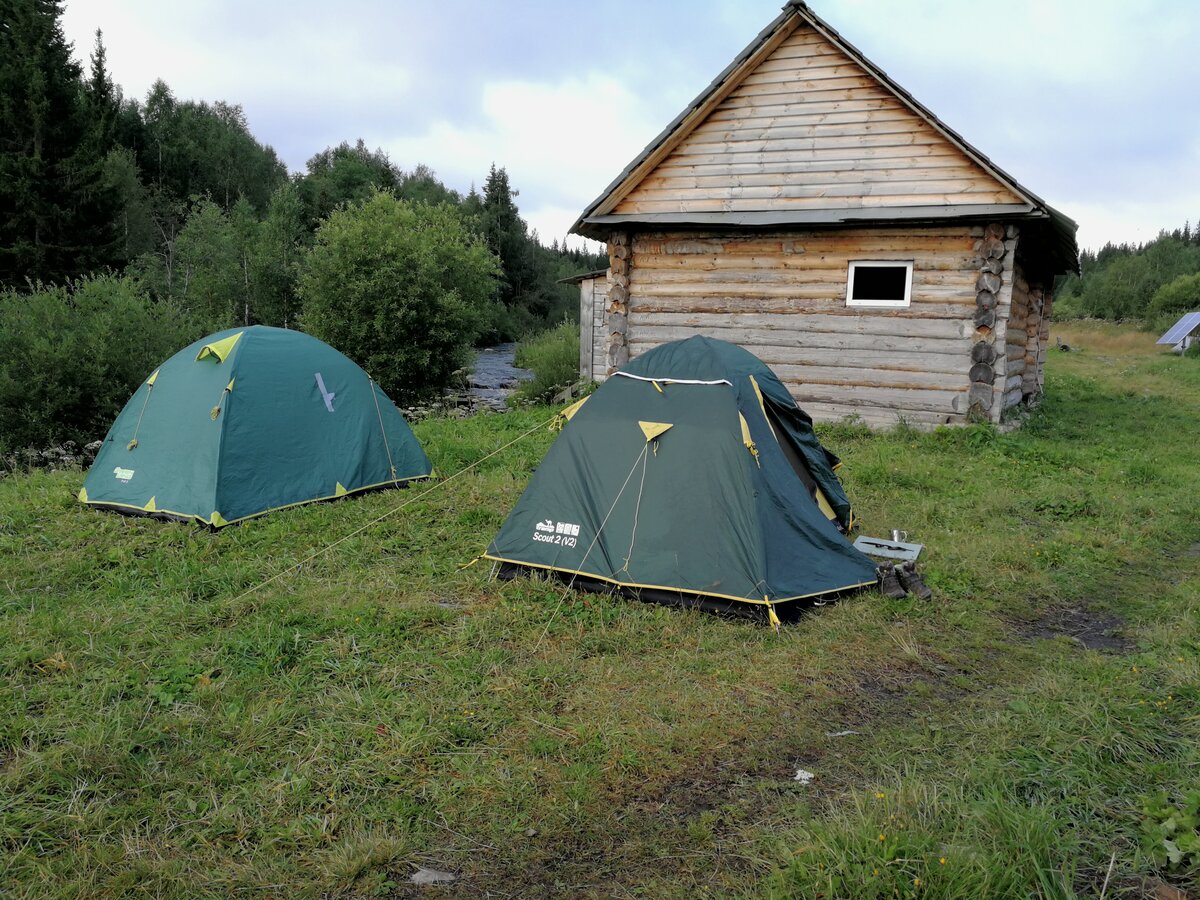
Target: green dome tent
247	421
689	476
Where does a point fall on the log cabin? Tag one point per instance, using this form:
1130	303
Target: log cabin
808	208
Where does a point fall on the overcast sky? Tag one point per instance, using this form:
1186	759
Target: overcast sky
1090	103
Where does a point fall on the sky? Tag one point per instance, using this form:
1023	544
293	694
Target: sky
1091	104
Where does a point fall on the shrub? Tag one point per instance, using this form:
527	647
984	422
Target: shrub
1177	297
553	357
401	288
71	356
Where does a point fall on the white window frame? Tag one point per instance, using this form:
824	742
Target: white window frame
893	263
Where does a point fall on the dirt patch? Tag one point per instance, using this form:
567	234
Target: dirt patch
1093	630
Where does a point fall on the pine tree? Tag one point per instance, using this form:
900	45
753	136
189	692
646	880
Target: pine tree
102	98
56	217
504	230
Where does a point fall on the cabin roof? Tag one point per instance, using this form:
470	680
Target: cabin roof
583	276
597	219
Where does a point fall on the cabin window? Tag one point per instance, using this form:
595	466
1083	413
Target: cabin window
879	283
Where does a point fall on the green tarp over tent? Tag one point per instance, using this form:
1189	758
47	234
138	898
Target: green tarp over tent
247	421
691	474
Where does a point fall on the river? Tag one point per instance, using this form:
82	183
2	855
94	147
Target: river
494	376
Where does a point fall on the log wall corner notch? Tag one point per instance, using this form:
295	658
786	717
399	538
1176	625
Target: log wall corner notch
620	255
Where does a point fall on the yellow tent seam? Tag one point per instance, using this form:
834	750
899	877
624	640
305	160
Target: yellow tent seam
676	589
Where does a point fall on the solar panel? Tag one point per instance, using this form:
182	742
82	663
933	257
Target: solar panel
1181	329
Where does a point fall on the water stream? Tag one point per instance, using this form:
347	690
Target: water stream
494	376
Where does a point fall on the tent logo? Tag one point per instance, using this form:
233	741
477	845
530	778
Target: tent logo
326	395
123	475
562	534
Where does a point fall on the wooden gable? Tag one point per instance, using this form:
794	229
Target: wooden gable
803	128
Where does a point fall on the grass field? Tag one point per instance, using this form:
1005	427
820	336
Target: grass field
164	734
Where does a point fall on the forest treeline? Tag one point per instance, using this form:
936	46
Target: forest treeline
1153	283
168	217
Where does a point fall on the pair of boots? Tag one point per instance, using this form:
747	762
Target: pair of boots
896	581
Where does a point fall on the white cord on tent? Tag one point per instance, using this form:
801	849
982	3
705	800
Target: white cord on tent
588	552
637	511
382	430
133	443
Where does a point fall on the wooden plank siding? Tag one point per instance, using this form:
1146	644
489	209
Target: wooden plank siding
809	129
593	343
782	296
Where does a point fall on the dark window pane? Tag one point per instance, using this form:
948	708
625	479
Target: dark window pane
879	282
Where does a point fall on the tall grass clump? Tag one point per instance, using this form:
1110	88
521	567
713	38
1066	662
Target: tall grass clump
553	357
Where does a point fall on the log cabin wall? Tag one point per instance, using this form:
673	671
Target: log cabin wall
616	341
1039	372
995	261
1017	339
740	221
1029	331
782	296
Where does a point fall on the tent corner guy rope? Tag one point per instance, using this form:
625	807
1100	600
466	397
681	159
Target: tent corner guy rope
571	581
299	565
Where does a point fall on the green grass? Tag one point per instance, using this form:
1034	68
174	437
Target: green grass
553	357
164	733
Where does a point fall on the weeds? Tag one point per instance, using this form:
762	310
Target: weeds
553	357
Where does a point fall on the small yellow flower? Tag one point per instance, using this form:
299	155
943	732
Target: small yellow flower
874	871
883	837
941	860
1134	668
879	795
916	882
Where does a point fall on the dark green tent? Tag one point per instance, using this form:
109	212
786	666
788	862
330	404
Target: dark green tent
247	421
690	476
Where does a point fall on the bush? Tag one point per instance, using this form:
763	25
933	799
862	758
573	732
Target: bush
553	357
1177	297
401	288
71	356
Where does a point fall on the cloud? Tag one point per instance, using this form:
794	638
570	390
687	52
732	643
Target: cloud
1085	101
559	142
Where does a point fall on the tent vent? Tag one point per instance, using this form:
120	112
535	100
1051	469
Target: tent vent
653	429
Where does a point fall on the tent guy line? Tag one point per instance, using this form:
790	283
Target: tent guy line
575	575
429	490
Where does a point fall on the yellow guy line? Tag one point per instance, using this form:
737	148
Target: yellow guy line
390	512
